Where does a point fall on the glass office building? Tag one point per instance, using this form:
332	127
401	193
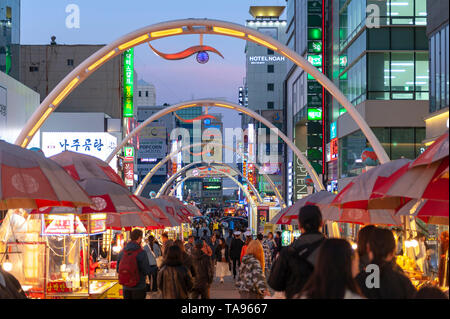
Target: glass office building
379	58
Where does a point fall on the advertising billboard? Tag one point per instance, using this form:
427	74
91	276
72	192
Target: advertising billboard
128	83
152	148
128	172
97	144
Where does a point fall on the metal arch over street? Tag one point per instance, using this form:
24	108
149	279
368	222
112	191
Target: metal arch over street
252	217
180	27
150	174
228	105
185	168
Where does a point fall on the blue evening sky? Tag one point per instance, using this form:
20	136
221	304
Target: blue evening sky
102	21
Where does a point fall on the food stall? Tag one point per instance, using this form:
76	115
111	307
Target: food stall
47	253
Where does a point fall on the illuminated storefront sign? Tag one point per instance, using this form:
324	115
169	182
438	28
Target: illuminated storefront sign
334	149
266	59
128	151
70	224
315	59
97	144
128	83
314	114
128	171
333	130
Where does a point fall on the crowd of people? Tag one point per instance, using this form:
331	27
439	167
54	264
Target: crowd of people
312	267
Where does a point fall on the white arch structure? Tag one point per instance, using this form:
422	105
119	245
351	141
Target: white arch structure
181	27
252	216
268	179
185	168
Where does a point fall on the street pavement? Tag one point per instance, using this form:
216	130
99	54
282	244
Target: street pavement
227	290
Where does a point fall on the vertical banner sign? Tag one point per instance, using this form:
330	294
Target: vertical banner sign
128	170
128	82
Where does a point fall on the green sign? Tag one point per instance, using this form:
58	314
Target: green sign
315	59
343	61
128	151
128	82
314	114
314	33
315	46
310	77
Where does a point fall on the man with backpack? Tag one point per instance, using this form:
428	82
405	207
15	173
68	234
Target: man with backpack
133	267
295	264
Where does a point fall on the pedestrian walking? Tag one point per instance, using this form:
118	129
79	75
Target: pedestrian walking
362	242
185	257
133	267
189	247
268	247
222	260
334	274
206	248
278	245
393	283
295	264
203	272
174	279
248	239
235	251
213	243
154	256
166	242
252	282
229	237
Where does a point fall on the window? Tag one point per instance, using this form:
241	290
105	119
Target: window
270	105
270	52
146	93
270	86
270	68
70	62
34	69
140	93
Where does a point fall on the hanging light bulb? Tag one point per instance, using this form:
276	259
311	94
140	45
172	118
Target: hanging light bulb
7	265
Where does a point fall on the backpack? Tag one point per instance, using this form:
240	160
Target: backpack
303	265
128	268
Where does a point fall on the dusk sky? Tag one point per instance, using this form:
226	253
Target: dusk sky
102	21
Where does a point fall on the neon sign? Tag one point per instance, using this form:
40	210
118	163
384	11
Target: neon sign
128	83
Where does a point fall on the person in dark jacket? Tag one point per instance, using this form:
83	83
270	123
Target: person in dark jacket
174	279
235	251
278	246
138	291
295	264
392	283
10	287
213	243
204	272
363	240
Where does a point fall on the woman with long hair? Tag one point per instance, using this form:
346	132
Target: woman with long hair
222	260
252	282
248	239
186	258
174	279
334	274
153	251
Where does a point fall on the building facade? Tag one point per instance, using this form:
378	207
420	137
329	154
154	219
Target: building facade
153	147
438	33
42	67
9	37
146	94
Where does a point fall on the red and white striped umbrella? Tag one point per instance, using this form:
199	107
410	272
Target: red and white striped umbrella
29	180
180	213
127	221
107	197
321	199
419	182
81	166
359	193
193	211
158	213
435	152
430	211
